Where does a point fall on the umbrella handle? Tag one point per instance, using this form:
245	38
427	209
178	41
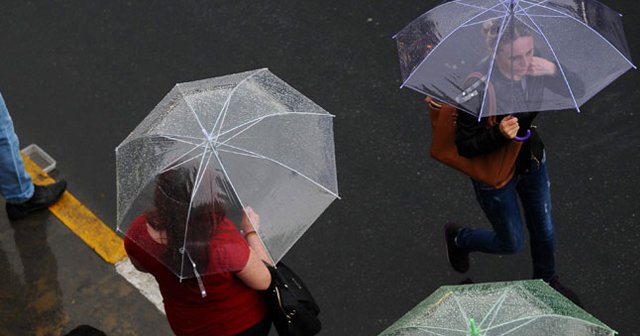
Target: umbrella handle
473	329
523	138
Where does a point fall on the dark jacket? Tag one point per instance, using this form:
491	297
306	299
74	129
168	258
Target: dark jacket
473	138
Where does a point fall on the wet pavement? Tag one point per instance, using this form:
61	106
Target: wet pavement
79	76
52	282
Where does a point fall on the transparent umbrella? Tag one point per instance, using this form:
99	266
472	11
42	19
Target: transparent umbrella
240	141
524	308
539	55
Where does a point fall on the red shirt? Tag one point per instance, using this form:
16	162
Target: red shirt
229	307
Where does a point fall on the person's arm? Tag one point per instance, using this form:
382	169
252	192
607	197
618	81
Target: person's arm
137	264
130	248
255	274
473	138
554	80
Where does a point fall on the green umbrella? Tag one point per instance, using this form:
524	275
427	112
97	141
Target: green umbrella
528	307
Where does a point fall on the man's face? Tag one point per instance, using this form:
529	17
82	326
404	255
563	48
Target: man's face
513	59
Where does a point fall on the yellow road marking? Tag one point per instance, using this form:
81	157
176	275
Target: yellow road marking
81	220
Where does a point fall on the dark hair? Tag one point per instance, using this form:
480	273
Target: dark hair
513	31
177	211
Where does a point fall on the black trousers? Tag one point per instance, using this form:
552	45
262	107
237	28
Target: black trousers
259	329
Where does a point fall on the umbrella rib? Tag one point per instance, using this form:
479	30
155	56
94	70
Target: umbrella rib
201	176
167	168
453	2
474	6
441	41
246	126
487	20
547	16
186	225
258	156
464	314
181	163
586	25
531	320
239	153
257	120
424	329
225	107
526	24
440	328
546	315
532	4
171	165
564	76
430	332
493	59
174	138
496	306
233	188
204	131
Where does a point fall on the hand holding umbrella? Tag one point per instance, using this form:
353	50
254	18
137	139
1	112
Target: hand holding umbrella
509	127
250	221
250	225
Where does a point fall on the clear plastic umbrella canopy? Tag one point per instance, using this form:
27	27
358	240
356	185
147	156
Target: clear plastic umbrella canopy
246	140
523	308
539	55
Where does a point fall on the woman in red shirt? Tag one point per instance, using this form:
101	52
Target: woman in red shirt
222	271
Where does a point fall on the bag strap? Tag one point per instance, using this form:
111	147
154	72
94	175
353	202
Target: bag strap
491	92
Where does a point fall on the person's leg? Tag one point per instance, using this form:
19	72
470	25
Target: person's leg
535	194
503	212
15	184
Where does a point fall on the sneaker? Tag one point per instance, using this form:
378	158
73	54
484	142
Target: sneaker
458	256
43	197
568	293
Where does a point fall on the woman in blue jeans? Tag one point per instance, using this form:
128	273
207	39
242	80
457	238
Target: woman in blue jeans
519	79
21	195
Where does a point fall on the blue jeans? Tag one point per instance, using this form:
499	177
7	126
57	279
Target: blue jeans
15	184
503	212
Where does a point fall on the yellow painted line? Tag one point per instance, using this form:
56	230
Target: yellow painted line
95	233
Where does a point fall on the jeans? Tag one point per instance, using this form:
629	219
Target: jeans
15	184
503	212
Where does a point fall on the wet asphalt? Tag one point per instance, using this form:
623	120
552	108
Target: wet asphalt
78	76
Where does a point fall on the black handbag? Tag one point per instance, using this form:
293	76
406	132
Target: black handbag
293	310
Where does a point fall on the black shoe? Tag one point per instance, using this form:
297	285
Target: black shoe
568	293
43	197
458	256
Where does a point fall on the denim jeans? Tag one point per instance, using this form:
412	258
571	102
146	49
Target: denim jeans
15	184
504	213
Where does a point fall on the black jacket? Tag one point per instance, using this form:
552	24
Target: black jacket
473	138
